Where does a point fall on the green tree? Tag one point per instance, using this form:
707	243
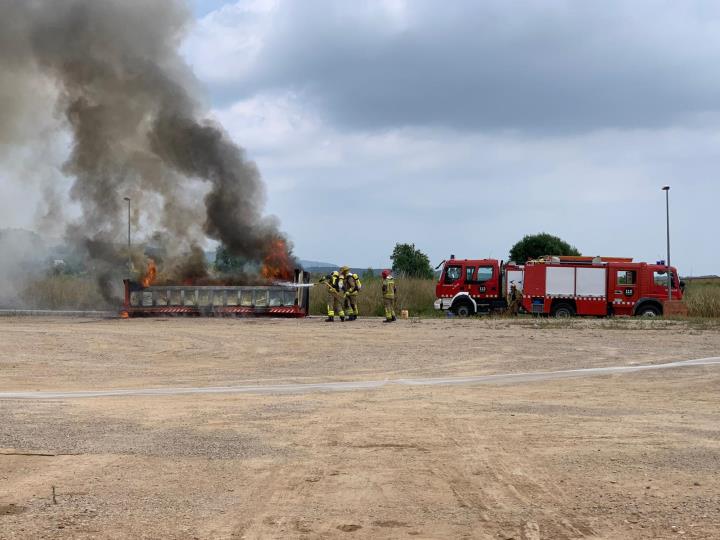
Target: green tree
533	246
368	274
227	263
411	262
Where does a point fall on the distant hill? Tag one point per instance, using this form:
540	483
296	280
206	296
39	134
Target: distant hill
317	264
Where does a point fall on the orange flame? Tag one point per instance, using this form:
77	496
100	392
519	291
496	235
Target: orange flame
277	263
150	273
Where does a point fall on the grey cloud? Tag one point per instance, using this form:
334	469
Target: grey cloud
552	66
600	192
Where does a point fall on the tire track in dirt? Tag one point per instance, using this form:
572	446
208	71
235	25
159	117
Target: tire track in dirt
502	491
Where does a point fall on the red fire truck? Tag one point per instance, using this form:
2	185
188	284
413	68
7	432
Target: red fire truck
471	286
558	286
600	286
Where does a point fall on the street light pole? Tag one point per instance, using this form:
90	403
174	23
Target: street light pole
666	189
129	263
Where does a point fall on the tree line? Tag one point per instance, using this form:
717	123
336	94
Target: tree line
409	261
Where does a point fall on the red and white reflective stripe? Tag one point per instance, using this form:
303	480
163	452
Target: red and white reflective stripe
294	310
283	310
160	309
238	309
583	298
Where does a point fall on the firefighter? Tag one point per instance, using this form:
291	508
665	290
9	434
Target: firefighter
514	299
352	288
335	286
389	291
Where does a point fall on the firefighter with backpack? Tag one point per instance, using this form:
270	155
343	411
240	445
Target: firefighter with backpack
352	288
336	295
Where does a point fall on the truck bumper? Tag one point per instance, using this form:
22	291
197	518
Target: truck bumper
443	303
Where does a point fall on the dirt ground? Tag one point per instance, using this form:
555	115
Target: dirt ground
631	455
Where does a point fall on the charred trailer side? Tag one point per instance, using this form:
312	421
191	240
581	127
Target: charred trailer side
276	300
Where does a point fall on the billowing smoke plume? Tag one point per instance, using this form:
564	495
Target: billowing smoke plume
137	127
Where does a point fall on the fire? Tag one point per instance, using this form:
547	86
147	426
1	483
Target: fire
277	263
150	274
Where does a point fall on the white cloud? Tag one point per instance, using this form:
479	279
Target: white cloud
224	45
350	195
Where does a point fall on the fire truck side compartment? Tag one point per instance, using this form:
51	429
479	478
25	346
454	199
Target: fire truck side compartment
560	281
591	282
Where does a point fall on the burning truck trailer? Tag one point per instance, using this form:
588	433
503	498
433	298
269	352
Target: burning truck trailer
277	299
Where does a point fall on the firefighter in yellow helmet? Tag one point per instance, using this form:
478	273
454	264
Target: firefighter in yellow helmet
389	291
335	286
352	288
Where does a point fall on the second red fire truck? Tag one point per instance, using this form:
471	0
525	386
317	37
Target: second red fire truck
558	286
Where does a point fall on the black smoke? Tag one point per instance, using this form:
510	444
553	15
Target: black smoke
137	123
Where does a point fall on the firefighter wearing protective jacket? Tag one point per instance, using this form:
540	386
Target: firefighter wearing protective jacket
389	291
514	299
352	288
335	286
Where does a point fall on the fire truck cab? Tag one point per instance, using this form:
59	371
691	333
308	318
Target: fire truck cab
599	286
471	286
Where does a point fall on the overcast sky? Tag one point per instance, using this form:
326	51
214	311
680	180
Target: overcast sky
461	126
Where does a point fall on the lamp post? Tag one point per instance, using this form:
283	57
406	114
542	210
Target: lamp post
666	189
129	263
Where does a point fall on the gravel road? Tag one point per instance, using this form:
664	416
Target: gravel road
629	452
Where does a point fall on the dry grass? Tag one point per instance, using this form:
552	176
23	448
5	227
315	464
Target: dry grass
63	292
702	297
415	295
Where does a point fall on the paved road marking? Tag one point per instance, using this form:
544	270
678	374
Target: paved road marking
501	378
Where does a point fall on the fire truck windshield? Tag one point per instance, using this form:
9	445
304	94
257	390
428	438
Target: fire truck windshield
452	274
660	278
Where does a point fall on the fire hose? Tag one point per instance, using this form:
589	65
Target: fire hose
340	386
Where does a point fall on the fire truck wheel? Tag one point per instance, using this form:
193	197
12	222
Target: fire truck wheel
563	309
648	310
463	309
